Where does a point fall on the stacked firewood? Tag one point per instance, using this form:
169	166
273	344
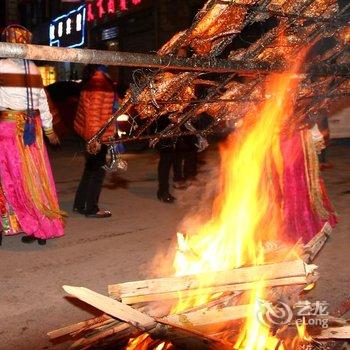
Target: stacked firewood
134	308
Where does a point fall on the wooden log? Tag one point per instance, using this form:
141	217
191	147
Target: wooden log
242	278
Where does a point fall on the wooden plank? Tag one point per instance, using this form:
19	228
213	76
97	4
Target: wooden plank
243	275
112	307
334	333
209	317
314	246
57	333
188	339
213	290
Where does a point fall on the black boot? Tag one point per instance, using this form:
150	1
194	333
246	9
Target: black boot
28	239
31	239
41	241
166	197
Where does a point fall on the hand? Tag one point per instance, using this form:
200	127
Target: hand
93	147
53	139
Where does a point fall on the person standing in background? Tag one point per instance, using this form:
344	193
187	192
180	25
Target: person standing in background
95	107
28	200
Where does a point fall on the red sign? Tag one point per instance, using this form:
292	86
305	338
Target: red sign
96	9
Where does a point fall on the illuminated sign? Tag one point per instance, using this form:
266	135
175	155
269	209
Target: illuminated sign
68	30
96	9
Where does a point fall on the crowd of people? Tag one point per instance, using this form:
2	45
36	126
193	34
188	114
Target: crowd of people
28	199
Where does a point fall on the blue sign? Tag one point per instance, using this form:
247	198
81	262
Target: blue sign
69	30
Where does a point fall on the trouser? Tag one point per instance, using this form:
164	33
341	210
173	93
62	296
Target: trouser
90	186
166	160
185	165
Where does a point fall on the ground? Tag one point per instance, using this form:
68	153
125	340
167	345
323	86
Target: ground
95	253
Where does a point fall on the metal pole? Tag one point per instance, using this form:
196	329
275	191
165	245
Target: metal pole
129	59
60	54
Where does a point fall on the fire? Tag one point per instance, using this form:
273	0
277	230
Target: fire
247	214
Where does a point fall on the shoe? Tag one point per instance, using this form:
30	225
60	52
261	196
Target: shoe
166	198
179	185
79	211
41	241
100	214
31	239
28	239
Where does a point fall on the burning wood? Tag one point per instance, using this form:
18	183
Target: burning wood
286	273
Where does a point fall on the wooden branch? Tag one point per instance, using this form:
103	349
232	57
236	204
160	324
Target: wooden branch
241	278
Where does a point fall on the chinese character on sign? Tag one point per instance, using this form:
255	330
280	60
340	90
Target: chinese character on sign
122	5
111	6
101	10
68	26
90	14
60	29
78	22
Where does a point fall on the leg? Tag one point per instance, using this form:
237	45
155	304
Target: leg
165	162
190	165
80	196
97	174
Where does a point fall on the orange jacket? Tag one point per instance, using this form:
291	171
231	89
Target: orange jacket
95	107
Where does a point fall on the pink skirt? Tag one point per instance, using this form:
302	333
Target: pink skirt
28	199
301	218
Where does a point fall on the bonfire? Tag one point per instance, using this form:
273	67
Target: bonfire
239	275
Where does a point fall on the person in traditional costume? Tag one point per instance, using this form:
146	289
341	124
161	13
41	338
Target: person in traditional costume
306	205
28	200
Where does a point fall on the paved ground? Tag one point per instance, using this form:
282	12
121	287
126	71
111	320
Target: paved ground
95	253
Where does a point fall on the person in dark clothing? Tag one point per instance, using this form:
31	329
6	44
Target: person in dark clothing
166	148
88	192
95	107
185	162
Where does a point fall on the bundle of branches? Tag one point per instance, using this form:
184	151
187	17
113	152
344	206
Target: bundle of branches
258	33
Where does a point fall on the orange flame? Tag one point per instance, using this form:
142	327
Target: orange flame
247	213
